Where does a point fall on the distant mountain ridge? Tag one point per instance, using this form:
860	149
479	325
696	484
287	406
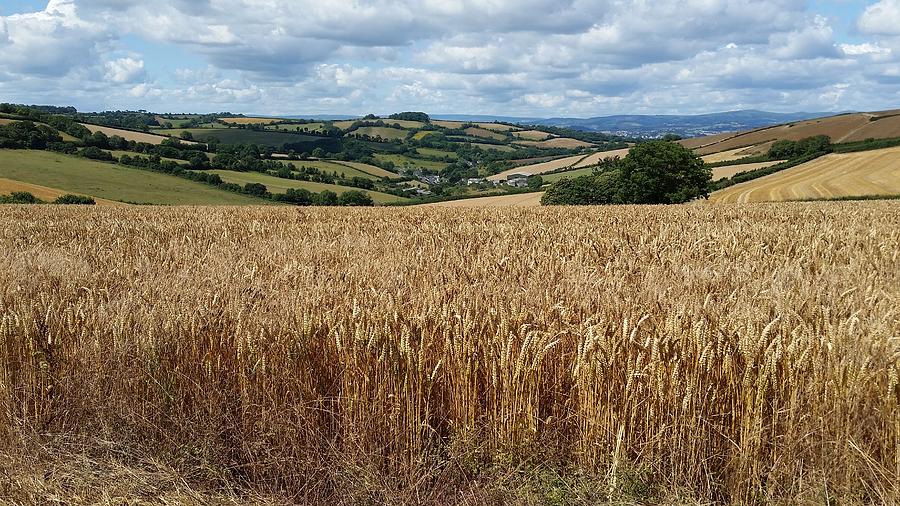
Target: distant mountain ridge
639	125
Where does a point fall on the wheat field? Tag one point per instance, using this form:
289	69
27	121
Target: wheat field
875	172
698	354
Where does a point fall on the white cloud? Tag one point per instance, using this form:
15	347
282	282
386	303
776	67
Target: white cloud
865	48
125	70
881	18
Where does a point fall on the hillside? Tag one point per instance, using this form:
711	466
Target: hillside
867	173
112	182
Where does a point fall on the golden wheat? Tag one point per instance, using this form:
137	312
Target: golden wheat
743	353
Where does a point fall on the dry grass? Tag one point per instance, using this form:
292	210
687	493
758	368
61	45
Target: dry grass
730	170
128	135
745	354
484	134
874	172
44	193
598	157
532	135
539	168
519	200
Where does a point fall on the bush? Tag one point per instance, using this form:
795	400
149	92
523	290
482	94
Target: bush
19	198
355	198
75	199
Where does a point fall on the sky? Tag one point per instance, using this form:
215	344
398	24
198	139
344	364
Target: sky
526	58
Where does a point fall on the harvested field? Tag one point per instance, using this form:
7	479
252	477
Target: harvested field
731	155
497	127
699	142
44	193
880	129
730	170
734	354
484	134
7	121
519	200
539	168
370	169
599	156
453	125
836	175
331	167
250	121
556	142
281	185
532	135
128	135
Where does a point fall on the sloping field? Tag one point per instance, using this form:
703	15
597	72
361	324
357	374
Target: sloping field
249	121
699	142
557	142
370	169
484	134
405	162
453	125
538	168
281	185
730	170
333	167
497	127
113	182
128	135
44	193
383	132
6	121
532	135
837	175
437	153
263	138
496	147
727	156
519	200
596	158
843	128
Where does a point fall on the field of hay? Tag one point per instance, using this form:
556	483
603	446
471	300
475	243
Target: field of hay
406	162
627	355
599	156
734	154
128	135
874	172
378	172
81	176
532	135
519	200
539	168
730	170
341	168
8	186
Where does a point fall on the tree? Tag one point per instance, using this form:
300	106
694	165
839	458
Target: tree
257	189
662	172
535	182
74	199
318	153
326	198
653	173
355	198
186	135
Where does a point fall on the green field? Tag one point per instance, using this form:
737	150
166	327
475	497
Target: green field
383	132
436	153
329	167
281	185
118	154
176	122
110	181
402	162
292	127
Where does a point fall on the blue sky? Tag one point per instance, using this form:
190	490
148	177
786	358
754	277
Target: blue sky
504	57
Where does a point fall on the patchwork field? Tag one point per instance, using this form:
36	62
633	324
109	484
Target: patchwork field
405	162
539	168
732	354
109	181
835	175
281	185
437	153
378	172
237	136
342	169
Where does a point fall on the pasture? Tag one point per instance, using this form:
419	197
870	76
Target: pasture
405	162
8	186
865	173
556	142
484	134
281	185
249	121
372	170
129	135
691	354
342	169
81	176
382	132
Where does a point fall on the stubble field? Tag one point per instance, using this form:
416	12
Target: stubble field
434	356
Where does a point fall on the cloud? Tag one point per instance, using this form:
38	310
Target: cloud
881	18
125	70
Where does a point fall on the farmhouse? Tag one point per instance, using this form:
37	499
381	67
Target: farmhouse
517	180
475	180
